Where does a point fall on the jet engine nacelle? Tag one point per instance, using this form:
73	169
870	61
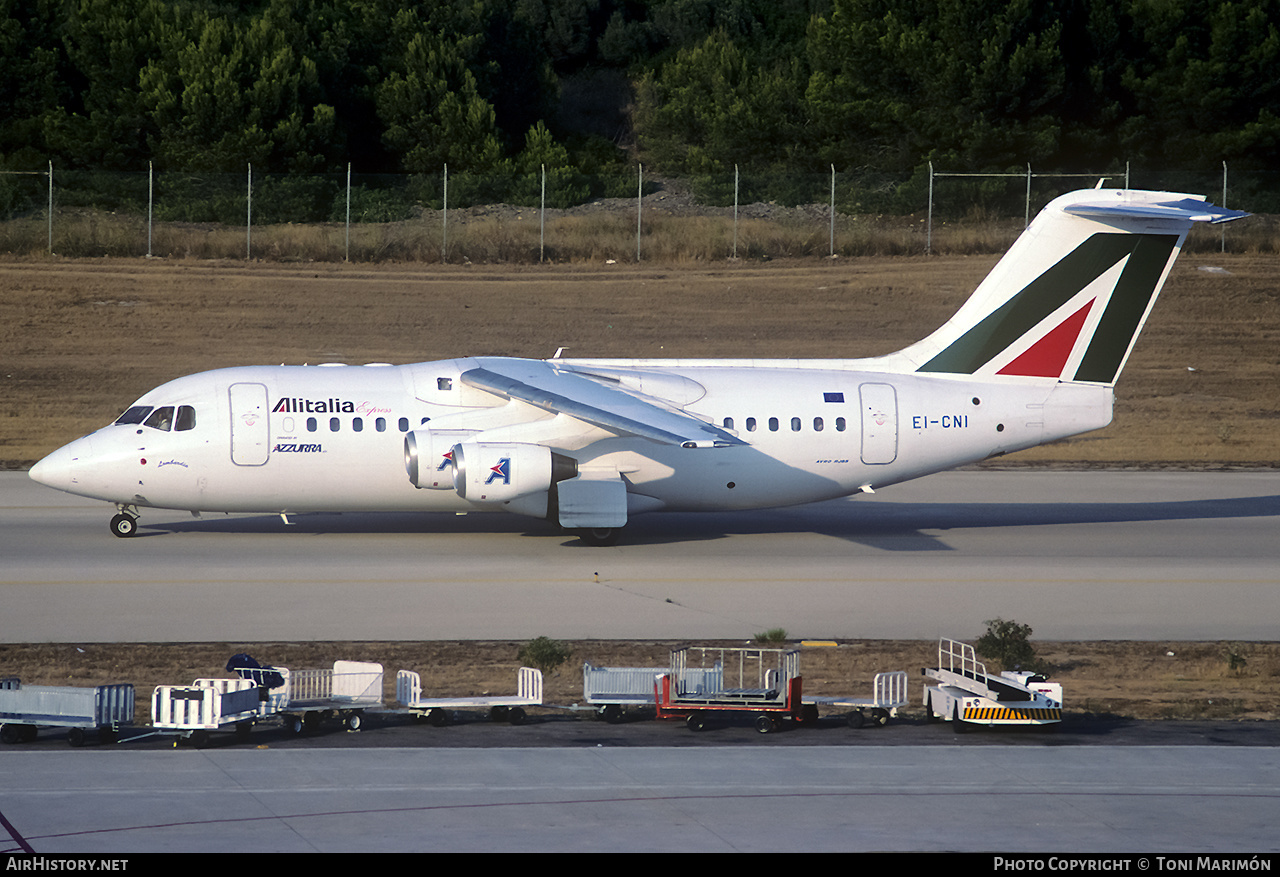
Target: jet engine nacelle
428	456
500	471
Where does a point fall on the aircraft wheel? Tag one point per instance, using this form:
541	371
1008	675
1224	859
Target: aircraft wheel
600	536
124	525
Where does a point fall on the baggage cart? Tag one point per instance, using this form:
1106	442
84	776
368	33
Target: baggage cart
304	698
24	709
966	695
763	683
614	692
193	711
439	710
889	694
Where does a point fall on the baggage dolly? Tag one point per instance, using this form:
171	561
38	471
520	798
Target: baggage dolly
767	686
889	694
438	711
24	709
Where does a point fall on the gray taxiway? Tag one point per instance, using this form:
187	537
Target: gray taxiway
1077	555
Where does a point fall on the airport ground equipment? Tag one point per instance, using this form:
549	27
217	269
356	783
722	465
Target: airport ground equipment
193	711
763	683
439	710
963	692
889	694
304	698
24	709
613	692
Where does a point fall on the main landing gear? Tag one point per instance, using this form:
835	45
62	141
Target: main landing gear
125	523
599	536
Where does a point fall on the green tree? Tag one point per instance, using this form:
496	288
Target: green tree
433	112
1008	644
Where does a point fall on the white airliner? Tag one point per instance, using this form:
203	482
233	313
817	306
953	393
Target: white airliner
1031	357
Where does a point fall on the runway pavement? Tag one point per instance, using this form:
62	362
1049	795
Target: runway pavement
1151	800
1078	555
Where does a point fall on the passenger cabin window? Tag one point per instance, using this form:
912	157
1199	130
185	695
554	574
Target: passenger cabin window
728	423
751	424
311	424
795	424
334	424
773	424
404	424
381	424
357	425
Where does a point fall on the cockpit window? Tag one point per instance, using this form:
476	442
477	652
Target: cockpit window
136	414
186	419
161	419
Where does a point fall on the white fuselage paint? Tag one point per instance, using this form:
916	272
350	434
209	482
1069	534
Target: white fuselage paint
285	439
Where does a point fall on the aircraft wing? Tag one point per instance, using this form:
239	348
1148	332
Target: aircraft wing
596	401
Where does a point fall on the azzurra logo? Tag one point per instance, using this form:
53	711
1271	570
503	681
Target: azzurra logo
500	472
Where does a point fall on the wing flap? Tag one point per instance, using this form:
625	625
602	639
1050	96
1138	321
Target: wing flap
617	409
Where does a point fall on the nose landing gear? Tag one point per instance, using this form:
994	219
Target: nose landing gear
125	523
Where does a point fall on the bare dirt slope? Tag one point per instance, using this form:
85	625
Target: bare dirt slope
81	339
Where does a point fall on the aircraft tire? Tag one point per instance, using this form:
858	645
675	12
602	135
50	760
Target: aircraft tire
124	526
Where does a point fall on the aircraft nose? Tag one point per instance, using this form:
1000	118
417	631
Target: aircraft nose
58	469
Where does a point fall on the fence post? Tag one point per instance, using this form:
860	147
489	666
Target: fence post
928	235
50	207
151	188
639	205
735	211
542	218
444	218
1224	204
1026	211
833	211
248	217
346	255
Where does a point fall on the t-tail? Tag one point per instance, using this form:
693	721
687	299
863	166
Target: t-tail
1069	298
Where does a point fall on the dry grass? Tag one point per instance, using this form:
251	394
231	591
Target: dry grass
1140	680
504	234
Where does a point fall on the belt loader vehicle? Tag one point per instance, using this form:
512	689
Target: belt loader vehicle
964	693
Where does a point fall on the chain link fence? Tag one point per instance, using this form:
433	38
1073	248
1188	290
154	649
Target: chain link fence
553	214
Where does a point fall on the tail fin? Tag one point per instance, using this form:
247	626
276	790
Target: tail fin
1070	297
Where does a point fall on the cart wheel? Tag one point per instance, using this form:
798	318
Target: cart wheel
765	724
353	721
880	717
75	737
696	722
515	715
437	717
855	719
294	724
199	739
612	714
10	734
